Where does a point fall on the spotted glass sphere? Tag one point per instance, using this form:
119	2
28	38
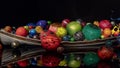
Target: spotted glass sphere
49	40
78	36
90	58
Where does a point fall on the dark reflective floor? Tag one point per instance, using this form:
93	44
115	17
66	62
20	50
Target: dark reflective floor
8	55
101	65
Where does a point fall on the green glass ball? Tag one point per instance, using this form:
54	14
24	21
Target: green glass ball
49	22
90	59
91	32
72	39
73	27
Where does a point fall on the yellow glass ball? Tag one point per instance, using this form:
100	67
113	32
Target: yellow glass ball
96	23
38	29
102	36
61	31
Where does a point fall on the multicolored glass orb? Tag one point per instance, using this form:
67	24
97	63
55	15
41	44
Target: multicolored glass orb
78	36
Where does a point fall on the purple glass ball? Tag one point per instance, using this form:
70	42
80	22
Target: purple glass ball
42	23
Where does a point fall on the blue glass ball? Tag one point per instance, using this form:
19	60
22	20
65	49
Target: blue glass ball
32	32
33	61
66	38
42	23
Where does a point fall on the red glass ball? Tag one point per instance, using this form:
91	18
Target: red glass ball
104	65
23	63
65	22
105	24
21	31
105	53
49	41
50	60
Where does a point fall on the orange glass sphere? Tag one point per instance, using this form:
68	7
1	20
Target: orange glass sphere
107	32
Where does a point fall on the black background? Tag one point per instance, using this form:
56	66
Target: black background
20	12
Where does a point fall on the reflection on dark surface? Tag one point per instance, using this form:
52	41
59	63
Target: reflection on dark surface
8	55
